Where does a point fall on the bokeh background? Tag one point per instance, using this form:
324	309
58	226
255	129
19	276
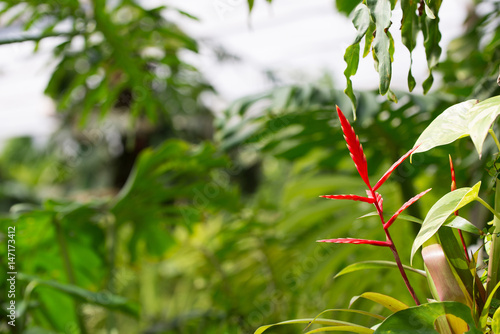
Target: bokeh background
162	160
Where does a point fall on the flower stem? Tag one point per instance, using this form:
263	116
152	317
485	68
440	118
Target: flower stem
394	250
492	133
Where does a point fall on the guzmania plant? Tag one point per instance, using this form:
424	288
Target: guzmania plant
462	302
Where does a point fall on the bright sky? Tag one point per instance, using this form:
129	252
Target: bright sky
299	39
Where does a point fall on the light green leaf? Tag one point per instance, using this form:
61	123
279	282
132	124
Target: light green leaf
450	125
423	317
319	321
495	322
104	299
388	302
441	210
380	11
484	315
463	224
364	265
481	117
351	329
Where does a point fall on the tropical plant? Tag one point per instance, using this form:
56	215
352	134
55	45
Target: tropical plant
460	301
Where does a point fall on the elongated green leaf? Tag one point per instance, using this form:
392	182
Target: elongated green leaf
351	329
319	321
481	117
380	11
441	210
421	319
432	37
369	39
463	224
495	322
409	29
361	21
376	316
375	265
388	302
484	315
104	299
387	217
450	125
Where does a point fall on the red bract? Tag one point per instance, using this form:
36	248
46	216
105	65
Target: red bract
392	168
354	147
357	241
404	207
453	180
350	197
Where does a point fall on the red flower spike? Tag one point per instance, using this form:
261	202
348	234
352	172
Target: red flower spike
354	147
351	197
454	187
357	241
406	205
392	168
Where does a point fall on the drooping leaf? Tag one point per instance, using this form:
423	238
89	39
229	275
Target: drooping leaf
432	37
441	210
346	6
404	207
365	265
355	148
380	11
423	318
409	29
388	302
361	21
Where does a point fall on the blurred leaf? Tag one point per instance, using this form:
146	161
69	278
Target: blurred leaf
425	315
104	299
388	302
365	265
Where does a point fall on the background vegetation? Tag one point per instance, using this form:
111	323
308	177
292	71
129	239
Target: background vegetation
148	213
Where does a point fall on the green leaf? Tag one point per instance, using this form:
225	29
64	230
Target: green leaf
380	11
369	39
441	210
481	117
423	317
319	321
484	314
346	6
450	125
105	299
361	21
388	302
432	37
364	265
351	329
409	29
495	322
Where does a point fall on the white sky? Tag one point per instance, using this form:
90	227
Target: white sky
300	39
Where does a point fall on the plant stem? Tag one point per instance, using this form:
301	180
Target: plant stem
487	206
395	251
70	273
494	261
492	133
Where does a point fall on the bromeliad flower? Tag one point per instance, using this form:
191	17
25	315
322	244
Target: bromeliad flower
373	197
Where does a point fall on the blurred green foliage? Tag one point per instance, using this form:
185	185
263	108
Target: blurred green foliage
146	214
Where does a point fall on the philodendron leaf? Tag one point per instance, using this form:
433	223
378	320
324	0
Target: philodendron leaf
107	300
481	117
421	319
375	265
319	321
450	125
388	302
440	212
